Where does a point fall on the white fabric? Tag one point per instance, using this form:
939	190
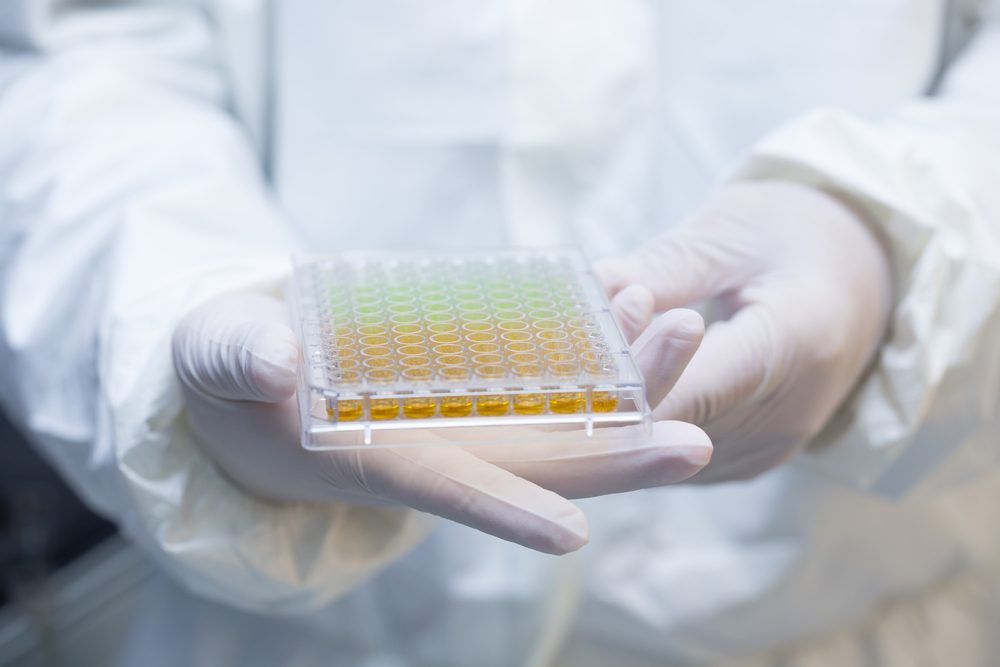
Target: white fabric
129	192
111	234
926	416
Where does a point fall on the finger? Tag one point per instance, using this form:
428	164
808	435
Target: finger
633	309
613	460
665	349
454	484
237	347
746	461
679	268
732	365
440	479
256	445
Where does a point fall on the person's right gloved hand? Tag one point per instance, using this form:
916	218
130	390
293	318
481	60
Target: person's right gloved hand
236	358
807	295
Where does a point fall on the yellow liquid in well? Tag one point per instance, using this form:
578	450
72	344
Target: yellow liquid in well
456	406
350	410
384	408
460	327
529	404
603	401
566	403
419	408
493	405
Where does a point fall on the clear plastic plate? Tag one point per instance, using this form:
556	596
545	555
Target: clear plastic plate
478	343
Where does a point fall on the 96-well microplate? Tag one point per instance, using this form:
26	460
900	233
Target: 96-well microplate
396	342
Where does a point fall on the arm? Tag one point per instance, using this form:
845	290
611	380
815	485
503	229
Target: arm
857	269
926	180
137	226
127	196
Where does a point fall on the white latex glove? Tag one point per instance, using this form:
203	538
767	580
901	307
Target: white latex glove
236	359
806	291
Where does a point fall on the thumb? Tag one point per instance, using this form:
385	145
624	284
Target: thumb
678	268
633	308
237	347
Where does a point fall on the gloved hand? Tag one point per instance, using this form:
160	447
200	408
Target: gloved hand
236	359
805	290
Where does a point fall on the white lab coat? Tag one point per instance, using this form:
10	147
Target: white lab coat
154	154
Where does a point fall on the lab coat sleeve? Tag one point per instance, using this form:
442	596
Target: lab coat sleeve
127	196
927	179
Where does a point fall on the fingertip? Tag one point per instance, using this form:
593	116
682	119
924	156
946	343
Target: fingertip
456	485
237	346
548	523
728	370
686	324
274	364
569	533
678	450
610	273
686	450
633	308
688	439
666	348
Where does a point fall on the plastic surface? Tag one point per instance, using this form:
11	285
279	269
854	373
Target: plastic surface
394	342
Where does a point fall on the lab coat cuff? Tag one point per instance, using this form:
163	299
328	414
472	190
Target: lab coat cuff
887	438
217	540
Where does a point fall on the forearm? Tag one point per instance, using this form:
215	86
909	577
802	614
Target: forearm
117	189
925	179
128	195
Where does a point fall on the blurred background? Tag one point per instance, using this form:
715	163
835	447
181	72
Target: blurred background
67	580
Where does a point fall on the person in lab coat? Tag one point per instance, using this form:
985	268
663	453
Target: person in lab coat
824	173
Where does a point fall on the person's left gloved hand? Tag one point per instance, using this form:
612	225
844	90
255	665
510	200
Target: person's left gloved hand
807	292
236	360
